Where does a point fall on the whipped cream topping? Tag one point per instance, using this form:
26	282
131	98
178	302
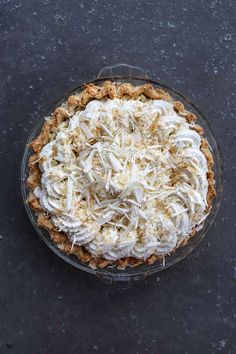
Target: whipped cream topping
125	178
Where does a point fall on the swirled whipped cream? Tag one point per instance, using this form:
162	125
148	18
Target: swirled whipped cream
125	178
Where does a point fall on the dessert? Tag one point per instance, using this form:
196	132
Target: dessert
121	175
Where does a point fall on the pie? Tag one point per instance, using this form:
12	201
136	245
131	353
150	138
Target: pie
121	175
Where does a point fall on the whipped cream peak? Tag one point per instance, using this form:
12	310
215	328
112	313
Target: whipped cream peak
125	178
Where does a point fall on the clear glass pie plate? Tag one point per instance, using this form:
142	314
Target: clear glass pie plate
136	76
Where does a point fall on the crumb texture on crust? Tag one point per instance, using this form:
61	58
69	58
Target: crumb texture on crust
77	103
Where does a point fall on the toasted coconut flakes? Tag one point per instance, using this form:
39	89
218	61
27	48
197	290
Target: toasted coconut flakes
105	218
108	180
89	162
107	130
114	162
90	177
96	198
132	202
86	131
69	193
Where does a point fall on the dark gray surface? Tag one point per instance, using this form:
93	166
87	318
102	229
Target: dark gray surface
46	306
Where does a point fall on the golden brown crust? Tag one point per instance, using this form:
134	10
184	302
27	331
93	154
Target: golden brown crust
206	150
198	129
211	189
43	137
90	92
210	174
45	222
147	90
58	116
178	107
33	180
59	237
190	117
34	203
74	102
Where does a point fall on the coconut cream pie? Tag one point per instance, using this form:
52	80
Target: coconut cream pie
121	175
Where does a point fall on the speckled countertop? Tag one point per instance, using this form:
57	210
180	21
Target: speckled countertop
46	306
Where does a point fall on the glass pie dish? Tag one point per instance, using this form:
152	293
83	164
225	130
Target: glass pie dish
136	76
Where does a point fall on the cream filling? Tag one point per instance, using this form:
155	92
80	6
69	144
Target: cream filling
125	178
